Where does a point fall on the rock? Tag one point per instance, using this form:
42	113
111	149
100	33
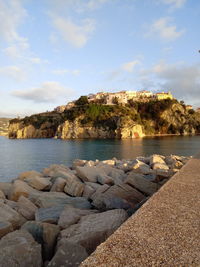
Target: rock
45	234
51	199
10	215
110	162
56	171
161	166
141	183
49	215
5	228
5	187
20	188
95	186
99	191
74	188
29	174
68	255
78	162
117	175
26	208
156	159
89	174
20	249
39	183
58	185
93	229
122	191
90	163
116	203
48	199
105	179
88	191
71	216
2	196
12	204
141	167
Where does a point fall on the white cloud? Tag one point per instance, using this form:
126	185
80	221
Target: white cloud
76	35
66	71
181	79
47	92
164	29
129	66
11	15
174	3
13	72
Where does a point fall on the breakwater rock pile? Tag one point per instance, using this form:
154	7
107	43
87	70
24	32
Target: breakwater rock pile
59	216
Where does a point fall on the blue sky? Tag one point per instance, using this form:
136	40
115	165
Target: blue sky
53	51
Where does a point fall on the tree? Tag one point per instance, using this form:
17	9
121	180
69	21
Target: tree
83	100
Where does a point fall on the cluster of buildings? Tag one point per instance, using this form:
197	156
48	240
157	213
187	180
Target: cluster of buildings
124	96
121	97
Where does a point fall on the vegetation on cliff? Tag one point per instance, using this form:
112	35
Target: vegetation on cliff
156	117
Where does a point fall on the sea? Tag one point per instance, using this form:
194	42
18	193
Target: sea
19	155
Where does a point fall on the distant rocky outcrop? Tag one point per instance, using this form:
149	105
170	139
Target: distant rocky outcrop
59	216
4	124
92	120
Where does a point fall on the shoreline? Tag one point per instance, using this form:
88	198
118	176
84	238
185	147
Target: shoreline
80	205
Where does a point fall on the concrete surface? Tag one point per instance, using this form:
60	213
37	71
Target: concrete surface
165	231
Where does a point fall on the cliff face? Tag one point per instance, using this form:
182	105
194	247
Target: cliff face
20	131
103	121
4	123
73	130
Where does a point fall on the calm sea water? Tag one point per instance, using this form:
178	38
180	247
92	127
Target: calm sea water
35	154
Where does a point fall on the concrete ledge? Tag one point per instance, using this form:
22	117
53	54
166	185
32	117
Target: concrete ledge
165	231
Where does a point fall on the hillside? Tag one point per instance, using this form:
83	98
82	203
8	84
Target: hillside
92	120
4	123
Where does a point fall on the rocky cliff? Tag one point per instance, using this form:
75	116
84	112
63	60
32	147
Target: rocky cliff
4	123
104	121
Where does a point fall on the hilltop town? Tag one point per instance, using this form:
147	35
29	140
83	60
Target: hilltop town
122	97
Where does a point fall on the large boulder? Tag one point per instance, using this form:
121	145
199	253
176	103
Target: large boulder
39	183
11	216
72	215
123	192
5	187
26	208
105	179
29	174
45	234
141	183
20	188
2	195
50	199
160	166
73	187
156	159
58	185
88	191
141	167
49	215
89	174
5	228
56	171
93	229
20	249
69	255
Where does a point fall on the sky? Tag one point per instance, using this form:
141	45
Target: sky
54	51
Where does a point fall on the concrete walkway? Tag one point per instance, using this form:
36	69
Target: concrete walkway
165	231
